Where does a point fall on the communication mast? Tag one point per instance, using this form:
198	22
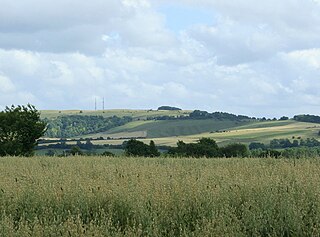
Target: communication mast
103	103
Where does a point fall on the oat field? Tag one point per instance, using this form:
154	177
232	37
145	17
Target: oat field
98	196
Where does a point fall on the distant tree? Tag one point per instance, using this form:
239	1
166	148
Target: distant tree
283	118
137	148
256	145
108	153
20	127
50	153
168	108
205	147
76	151
307	118
89	145
295	143
235	150
153	151
270	153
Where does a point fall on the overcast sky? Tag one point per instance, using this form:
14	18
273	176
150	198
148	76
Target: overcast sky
259	58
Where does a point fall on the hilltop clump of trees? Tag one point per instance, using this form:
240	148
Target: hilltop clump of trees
199	114
77	125
307	118
169	108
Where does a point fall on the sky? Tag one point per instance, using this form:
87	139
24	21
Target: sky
238	56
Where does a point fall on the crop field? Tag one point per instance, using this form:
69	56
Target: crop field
96	196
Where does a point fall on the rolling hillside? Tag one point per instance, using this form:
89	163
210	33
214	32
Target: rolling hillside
265	131
169	128
256	132
168	132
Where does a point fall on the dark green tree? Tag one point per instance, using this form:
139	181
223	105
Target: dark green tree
20	127
50	153
153	151
76	151
205	147
136	148
257	145
108	153
235	150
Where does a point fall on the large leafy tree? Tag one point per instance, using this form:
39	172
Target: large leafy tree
20	127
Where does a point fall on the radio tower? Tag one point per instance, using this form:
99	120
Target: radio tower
103	103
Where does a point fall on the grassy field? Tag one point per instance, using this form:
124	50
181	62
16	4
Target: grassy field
95	196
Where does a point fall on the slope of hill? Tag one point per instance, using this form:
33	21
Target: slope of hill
265	131
169	128
168	132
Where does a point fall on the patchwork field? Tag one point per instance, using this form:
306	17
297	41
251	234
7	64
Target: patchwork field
95	196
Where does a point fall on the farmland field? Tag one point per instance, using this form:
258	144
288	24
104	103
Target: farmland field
98	196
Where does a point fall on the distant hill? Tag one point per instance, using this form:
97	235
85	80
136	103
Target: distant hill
167	127
68	124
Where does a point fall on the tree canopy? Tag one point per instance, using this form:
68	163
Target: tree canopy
137	148
20	127
77	125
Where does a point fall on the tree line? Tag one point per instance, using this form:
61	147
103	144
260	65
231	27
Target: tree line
205	147
285	143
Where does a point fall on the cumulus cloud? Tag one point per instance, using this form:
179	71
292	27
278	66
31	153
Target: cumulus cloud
6	84
256	59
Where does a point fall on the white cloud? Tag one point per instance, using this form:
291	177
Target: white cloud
6	85
257	59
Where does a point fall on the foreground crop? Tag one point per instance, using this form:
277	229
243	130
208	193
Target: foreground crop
94	196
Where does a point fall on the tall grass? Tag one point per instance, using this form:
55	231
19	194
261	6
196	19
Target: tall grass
96	196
